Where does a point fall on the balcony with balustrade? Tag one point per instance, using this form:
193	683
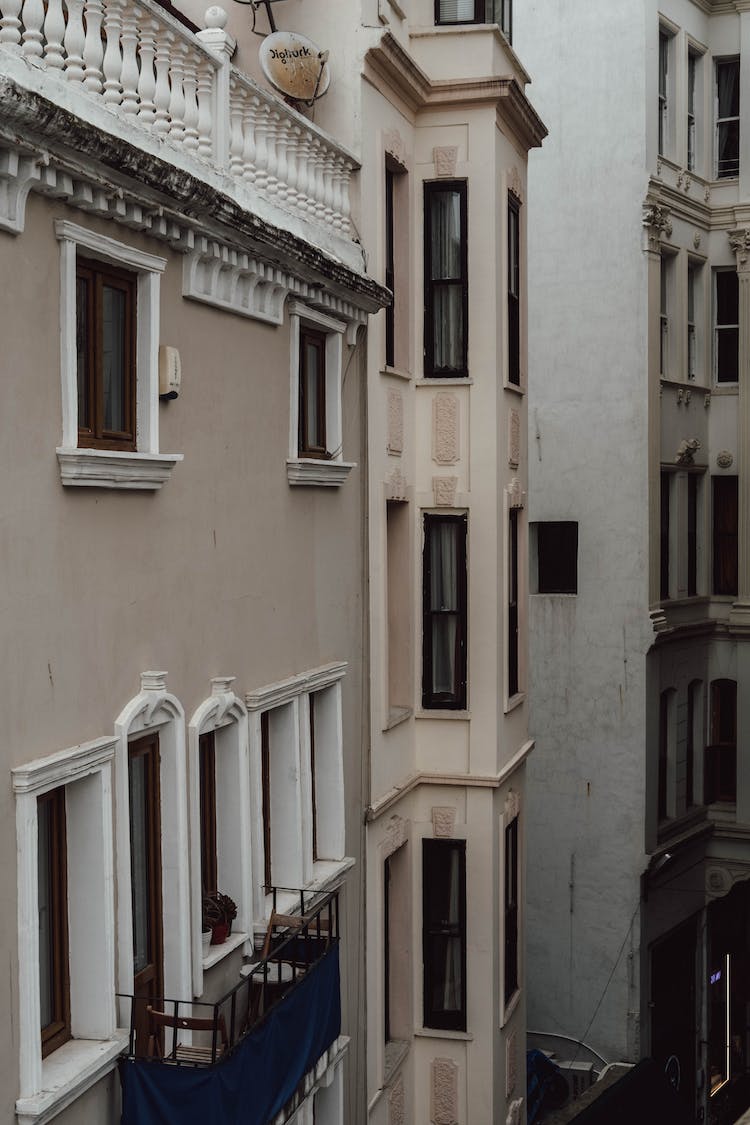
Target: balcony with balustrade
131	89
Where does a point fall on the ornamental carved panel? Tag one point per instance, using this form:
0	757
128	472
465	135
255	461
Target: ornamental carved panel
395	836
445	420
512	807
514	184
443	822
516	494
394	145
395	486
395	422
511	1065
444	1092
445	159
444	489
396	1103
514	439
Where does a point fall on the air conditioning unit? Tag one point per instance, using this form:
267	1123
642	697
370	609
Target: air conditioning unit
579	1075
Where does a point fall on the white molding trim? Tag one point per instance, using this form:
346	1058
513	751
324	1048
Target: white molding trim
314	472
154	709
116	468
223	713
314	316
118	253
43	774
235	281
284	691
68	1073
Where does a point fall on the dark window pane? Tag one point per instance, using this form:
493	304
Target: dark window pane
728	87
445	238
444	612
456	11
113	359
692	536
444	933
727	297
207	769
664	513
725	517
446	292
448	328
46	917
511	909
557	557
83	286
139	866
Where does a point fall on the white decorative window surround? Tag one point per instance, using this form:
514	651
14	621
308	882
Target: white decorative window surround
291	784
225	715
155	710
331	471
48	1085
145	468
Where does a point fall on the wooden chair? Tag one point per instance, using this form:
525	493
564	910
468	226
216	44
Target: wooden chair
159	1022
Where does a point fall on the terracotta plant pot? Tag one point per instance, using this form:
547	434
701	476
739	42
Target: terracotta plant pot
219	933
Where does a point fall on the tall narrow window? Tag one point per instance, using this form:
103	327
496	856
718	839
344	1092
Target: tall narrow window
207	770
514	292
313	787
557	556
511	909
390	313
726	326
400	613
513	662
446	280
105	345
444	933
663	88
387	949
444	612
312	393
691	73
720	782
725	517
664	536
265	767
146	874
692	534
692	285
727	118
665	296
693	703
54	987
665	703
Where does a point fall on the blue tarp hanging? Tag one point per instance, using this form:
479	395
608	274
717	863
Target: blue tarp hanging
257	1080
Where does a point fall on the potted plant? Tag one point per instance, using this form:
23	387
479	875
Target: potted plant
219	911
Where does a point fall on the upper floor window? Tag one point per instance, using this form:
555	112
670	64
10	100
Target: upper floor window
514	292
444	619
446	280
725	535
693	299
54	987
665	42
513	638
665	737
444	933
312	393
726	326
727	118
511	909
105	349
666	301
207	770
691	105
720	781
475	11
390	268
665	505
557	556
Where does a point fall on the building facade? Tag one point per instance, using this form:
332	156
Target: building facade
184	320
639	494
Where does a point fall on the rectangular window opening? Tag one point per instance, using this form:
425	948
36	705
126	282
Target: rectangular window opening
514	292
727	97
444	933
513	640
446	280
725	544
312	393
511	909
720	779
106	349
207	771
54	975
557	557
726	326
444	612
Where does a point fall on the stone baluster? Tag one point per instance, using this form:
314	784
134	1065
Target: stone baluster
129	75
343	178
54	33
339	192
75	41
112	62
221	45
249	119
303	173
205	106
236	140
33	19
323	208
190	90
147	77
329	187
292	163
282	164
162	91
272	155
261	147
93	51
177	98
10	24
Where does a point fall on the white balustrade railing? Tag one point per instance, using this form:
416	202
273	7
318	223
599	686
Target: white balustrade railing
143	63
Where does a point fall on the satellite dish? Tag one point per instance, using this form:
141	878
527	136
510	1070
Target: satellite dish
295	66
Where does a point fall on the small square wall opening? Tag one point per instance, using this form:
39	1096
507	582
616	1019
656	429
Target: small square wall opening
555	544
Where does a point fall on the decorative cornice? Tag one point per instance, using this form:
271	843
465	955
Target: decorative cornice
739	241
392	63
114	468
318	473
67	765
274	695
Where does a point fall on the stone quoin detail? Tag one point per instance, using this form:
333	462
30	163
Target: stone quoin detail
511	1066
396	1103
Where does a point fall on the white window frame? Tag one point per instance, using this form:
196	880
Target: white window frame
155	710
48	1085
716	328
224	714
718	121
665	139
288	705
330	472
144	468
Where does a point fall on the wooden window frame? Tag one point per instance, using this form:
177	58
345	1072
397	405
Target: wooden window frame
318	448
390	267
511	906
91	382
456	698
265	772
313	792
387	949
432	850
148	746
514	290
58	1031
432	188
207	772
513	638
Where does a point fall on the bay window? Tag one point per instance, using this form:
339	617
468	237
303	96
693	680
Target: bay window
444	933
446	280
444	612
727	118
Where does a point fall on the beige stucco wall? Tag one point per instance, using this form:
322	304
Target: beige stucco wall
226	571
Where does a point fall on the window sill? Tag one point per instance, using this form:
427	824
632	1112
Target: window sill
514	701
217	953
511	1006
396	372
514	388
113	468
394	1054
396	716
442	1033
445	381
725	389
439	713
67	1073
317	473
